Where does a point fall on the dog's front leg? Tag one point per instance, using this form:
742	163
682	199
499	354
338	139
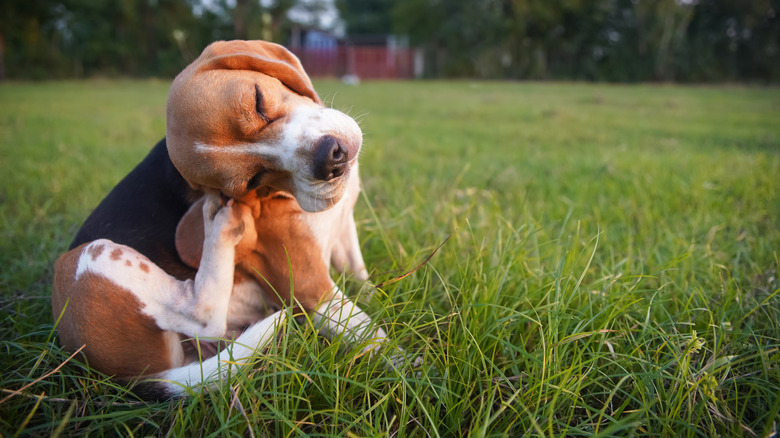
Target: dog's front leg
213	283
341	317
346	254
199	307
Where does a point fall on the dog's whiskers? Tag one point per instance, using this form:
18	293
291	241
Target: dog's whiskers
332	100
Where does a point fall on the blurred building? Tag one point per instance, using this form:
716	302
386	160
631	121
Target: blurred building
359	57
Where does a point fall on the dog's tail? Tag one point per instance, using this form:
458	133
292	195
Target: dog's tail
178	381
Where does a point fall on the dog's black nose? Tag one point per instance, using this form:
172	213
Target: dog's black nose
330	159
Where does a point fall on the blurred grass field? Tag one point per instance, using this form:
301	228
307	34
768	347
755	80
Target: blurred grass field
613	268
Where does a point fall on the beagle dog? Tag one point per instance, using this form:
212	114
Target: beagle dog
240	210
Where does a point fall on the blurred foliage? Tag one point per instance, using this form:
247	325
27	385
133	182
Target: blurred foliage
602	40
605	40
78	38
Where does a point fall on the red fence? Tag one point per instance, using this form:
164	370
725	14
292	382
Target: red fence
364	62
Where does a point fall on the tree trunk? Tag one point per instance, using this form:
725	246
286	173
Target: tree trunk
2	59
239	19
150	34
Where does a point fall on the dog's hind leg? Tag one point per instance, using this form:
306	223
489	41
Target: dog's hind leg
128	312
177	381
196	307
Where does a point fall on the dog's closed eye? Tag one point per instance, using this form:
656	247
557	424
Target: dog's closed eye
259	104
254	182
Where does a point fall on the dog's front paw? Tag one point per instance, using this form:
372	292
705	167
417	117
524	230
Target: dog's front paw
227	222
409	365
401	359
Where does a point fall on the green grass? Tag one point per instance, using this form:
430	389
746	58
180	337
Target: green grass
613	269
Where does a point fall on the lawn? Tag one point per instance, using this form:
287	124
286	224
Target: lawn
613	266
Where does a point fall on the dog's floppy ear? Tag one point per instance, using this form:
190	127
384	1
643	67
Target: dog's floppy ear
190	235
261	56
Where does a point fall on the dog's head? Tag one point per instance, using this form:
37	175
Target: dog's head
244	119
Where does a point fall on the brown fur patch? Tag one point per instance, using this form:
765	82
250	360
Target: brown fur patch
282	236
95	251
144	267
116	254
119	340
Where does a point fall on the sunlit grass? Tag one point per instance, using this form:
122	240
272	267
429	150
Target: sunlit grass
613	265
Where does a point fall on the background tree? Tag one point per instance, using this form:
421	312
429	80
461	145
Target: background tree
460	37
603	40
30	39
367	17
